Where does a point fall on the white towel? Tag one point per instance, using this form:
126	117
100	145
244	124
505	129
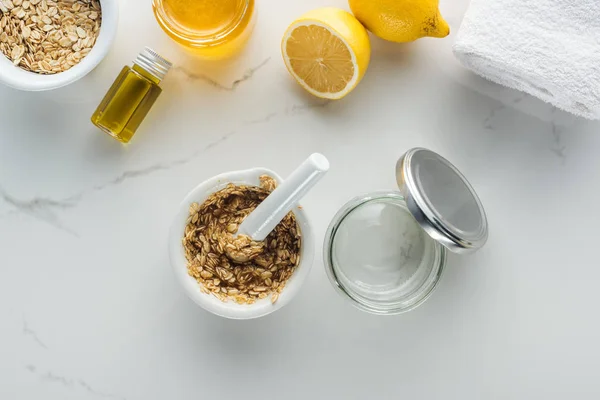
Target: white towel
547	48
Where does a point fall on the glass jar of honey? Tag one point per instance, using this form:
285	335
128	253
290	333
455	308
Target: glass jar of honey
212	29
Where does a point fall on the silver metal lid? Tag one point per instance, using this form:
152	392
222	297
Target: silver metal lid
153	62
442	200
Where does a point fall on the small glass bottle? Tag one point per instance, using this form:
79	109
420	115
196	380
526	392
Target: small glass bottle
131	96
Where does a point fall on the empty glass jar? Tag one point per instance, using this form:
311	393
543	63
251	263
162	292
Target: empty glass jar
386	251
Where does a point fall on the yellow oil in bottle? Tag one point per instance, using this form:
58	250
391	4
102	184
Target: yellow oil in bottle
131	96
213	29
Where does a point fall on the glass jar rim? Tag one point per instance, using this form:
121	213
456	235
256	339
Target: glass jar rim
191	38
330	269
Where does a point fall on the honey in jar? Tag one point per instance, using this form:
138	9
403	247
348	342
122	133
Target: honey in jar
212	29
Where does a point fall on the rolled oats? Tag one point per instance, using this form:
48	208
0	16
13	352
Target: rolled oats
48	36
236	267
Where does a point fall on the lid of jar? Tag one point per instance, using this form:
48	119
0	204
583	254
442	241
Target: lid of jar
442	201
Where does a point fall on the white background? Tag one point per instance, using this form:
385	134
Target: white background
88	304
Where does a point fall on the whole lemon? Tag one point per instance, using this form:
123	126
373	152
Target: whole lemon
401	20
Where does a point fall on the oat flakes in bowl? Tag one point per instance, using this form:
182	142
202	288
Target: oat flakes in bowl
232	276
233	267
46	36
46	44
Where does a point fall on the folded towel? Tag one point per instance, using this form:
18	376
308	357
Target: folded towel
547	48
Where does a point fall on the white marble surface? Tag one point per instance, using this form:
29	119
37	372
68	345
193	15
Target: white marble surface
89	307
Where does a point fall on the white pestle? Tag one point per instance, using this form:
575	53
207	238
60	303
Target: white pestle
284	198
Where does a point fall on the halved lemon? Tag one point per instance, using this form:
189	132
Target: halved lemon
327	51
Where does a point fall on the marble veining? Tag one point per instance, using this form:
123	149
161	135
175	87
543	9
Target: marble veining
489	120
137	173
71	383
47	210
41	208
248	74
90	309
28	332
294	109
558	147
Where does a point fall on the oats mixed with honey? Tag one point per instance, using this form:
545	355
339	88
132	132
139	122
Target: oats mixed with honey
235	267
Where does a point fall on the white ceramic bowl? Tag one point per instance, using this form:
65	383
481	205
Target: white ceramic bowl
189	284
18	78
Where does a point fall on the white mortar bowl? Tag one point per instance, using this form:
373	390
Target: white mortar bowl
192	287
20	79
